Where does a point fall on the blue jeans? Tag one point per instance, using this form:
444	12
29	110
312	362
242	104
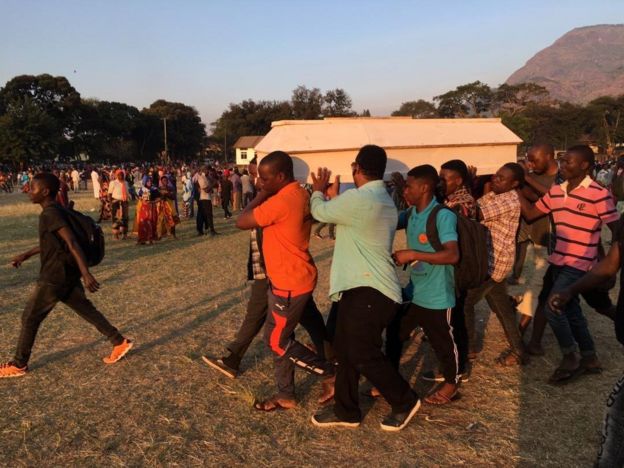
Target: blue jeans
570	327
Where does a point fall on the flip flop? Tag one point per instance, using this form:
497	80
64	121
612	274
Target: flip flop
439	399
565	376
264	405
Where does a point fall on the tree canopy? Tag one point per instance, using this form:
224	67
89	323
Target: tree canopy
420	109
43	117
251	117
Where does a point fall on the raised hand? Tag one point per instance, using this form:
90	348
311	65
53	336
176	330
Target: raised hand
320	181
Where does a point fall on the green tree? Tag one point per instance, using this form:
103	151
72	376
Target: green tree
513	99
248	118
469	100
420	109
39	102
185	131
337	103
562	125
28	133
111	131
307	104
608	125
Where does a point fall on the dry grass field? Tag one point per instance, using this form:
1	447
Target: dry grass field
162	406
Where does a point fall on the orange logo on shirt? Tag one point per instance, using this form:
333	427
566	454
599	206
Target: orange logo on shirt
422	238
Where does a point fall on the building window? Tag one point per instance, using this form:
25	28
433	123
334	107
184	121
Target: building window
243	154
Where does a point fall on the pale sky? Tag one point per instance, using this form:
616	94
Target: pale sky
208	54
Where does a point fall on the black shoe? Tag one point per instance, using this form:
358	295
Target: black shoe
396	421
327	418
213	233
221	366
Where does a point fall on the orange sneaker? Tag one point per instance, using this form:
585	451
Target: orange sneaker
8	370
119	351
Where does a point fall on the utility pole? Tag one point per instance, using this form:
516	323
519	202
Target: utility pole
165	132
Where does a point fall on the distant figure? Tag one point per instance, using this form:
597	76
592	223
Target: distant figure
118	196
237	190
95	179
247	187
75	179
226	196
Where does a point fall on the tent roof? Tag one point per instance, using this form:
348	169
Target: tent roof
249	141
336	134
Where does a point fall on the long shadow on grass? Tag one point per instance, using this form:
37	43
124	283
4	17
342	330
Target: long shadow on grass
189	326
141	325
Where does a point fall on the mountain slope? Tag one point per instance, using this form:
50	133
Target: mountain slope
581	65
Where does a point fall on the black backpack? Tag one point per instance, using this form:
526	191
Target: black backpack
88	234
472	269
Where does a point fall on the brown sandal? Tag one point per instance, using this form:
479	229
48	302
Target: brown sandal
438	398
273	404
508	359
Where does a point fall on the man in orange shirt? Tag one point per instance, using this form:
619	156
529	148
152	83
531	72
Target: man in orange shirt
282	209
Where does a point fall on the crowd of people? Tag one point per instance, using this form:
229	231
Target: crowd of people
565	209
467	239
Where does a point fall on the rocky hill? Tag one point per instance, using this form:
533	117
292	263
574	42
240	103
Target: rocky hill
582	65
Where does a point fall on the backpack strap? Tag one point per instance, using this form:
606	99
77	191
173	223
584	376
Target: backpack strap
432	228
410	210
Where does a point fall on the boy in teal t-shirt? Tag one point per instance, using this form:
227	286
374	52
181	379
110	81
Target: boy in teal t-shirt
432	277
433	285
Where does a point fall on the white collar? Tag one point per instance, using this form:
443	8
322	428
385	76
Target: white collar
585	183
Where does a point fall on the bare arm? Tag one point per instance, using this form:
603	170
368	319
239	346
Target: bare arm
21	258
246	219
529	211
449	255
535	185
528	193
76	251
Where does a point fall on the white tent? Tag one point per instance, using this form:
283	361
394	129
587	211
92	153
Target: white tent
334	142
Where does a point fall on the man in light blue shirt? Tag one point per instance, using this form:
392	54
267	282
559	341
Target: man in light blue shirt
364	283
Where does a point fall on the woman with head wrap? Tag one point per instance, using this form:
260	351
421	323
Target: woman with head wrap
167	217
145	221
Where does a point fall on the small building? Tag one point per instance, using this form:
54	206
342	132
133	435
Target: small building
245	148
334	142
